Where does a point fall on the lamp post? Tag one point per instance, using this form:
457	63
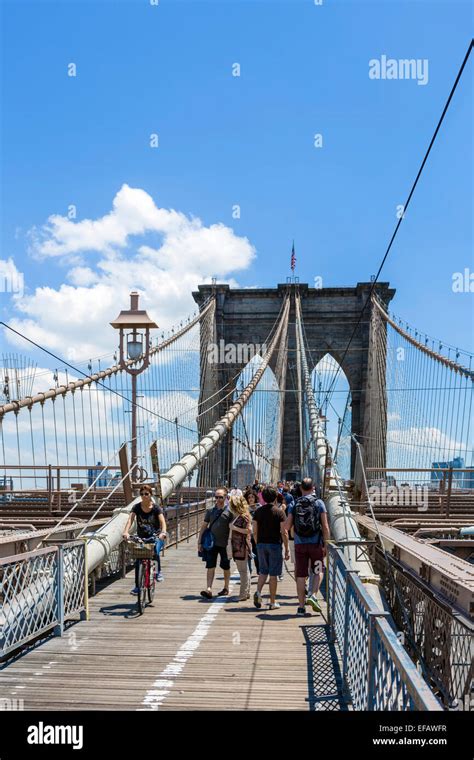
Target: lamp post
134	326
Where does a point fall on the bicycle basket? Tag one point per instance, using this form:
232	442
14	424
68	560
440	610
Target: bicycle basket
140	551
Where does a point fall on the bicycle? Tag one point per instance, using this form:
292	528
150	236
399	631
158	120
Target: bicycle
143	549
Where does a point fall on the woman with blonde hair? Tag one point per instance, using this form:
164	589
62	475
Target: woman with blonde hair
240	532
251	498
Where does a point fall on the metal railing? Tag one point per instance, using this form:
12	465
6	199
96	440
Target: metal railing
377	672
40	590
436	490
433	631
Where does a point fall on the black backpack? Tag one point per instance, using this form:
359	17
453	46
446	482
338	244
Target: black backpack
306	517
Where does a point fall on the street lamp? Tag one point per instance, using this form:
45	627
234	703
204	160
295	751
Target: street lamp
131	323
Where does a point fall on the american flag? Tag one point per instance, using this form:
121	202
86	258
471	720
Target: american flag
293	258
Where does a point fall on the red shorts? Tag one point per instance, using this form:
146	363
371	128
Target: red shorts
307	555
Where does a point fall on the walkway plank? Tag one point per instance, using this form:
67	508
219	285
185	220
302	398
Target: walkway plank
245	659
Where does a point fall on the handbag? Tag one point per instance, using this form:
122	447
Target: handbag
207	538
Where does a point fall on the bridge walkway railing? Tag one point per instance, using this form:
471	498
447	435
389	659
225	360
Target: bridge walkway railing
42	589
377	672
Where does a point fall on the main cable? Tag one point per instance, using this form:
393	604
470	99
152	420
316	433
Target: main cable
407	203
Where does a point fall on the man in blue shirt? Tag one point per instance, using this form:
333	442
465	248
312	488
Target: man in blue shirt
308	517
288	497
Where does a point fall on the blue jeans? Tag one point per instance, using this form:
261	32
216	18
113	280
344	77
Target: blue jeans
159	543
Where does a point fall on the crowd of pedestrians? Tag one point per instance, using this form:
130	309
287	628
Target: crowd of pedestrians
260	528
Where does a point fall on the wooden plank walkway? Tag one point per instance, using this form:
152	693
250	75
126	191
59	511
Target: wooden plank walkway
184	653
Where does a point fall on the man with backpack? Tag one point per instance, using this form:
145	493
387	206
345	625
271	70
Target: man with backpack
308	517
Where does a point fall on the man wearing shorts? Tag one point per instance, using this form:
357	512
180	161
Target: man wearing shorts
218	519
269	534
309	549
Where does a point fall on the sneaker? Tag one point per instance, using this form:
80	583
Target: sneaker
274	606
302	612
135	591
159	577
313	602
257	599
280	578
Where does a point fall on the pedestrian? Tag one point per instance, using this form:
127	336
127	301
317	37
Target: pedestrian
240	531
281	504
289	500
218	520
269	533
296	491
308	517
251	499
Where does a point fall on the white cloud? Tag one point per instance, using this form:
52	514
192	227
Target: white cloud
425	444
75	316
83	276
393	417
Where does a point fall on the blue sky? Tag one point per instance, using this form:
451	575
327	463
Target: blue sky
245	140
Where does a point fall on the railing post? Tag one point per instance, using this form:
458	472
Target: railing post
85	615
448	495
59	628
332	595
372	658
177	524
345	653
370	664
50	489
58	484
123	560
189	507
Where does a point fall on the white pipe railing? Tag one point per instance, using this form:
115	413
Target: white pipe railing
103	541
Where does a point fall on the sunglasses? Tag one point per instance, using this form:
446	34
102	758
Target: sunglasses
219	497
145	493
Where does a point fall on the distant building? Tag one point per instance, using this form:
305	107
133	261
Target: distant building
468	480
457	463
243	473
93	474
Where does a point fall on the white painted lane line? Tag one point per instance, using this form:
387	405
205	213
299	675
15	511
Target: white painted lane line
155	697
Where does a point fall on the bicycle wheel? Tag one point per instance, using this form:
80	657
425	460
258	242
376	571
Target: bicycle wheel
141	598
152	581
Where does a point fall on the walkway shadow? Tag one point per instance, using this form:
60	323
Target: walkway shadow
261	614
35	643
121	610
324	670
199	598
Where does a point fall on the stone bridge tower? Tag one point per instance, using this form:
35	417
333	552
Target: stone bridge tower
329	314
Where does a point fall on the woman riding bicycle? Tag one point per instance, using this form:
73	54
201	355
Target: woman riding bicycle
151	523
